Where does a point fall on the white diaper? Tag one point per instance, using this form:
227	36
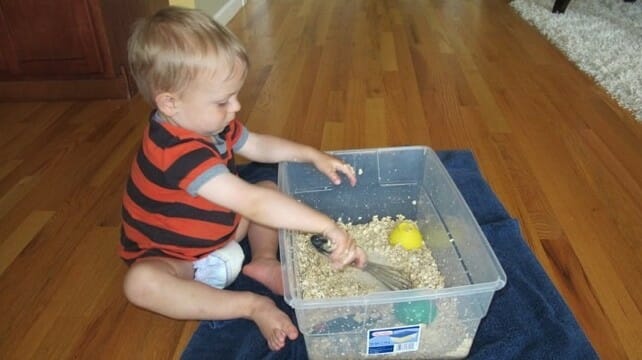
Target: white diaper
220	268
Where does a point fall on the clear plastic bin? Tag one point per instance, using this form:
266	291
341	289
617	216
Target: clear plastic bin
413	182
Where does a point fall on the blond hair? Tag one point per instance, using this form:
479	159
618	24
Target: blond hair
170	49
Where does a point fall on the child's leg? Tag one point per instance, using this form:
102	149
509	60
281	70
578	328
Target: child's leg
166	286
264	243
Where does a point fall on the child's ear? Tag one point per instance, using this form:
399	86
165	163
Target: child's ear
167	103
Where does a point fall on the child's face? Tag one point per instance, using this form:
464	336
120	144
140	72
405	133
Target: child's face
210	103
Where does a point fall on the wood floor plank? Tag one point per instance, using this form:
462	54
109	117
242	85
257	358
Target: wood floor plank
20	238
23	134
84	282
15	194
376	133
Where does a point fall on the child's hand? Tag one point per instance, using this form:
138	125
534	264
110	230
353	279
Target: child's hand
345	250
331	167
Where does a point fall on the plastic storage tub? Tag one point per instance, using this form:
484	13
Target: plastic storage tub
417	323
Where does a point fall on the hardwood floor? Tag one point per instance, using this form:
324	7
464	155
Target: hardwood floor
560	154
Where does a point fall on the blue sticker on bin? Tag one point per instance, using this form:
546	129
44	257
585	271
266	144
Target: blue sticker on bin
393	340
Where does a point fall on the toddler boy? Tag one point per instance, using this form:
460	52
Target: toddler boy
185	208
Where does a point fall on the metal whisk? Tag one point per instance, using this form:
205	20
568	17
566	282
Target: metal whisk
389	276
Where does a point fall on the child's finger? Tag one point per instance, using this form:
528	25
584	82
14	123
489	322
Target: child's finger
331	172
351	255
344	168
360	258
348	170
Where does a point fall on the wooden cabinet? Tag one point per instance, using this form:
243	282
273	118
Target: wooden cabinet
67	49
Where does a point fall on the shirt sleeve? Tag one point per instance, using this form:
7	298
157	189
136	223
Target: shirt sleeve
191	164
204	177
195	163
239	134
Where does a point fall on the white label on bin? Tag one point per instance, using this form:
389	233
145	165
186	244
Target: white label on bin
393	340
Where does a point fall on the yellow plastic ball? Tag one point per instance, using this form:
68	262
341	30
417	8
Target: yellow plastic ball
407	235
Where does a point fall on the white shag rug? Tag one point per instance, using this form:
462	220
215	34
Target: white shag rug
602	37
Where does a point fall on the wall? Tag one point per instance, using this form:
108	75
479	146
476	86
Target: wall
222	10
210	6
183	3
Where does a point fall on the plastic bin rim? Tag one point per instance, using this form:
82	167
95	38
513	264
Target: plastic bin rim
381	149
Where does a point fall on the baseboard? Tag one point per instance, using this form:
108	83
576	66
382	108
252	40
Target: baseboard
227	12
88	89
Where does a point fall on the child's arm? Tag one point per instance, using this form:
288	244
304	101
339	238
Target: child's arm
271	149
274	209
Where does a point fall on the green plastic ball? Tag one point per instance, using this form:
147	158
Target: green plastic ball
415	312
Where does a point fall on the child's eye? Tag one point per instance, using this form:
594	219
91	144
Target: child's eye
223	103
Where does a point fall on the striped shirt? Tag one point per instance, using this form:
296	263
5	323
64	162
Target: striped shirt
162	213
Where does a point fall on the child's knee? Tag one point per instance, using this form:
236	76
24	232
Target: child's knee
141	282
146	278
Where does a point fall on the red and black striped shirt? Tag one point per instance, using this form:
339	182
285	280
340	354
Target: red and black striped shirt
162	213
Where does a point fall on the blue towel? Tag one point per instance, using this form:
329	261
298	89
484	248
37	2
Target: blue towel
527	319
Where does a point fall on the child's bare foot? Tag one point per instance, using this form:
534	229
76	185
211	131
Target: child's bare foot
267	272
274	324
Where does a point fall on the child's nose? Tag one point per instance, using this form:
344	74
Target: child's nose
235	105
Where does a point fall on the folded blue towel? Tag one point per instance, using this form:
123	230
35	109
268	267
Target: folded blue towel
527	319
